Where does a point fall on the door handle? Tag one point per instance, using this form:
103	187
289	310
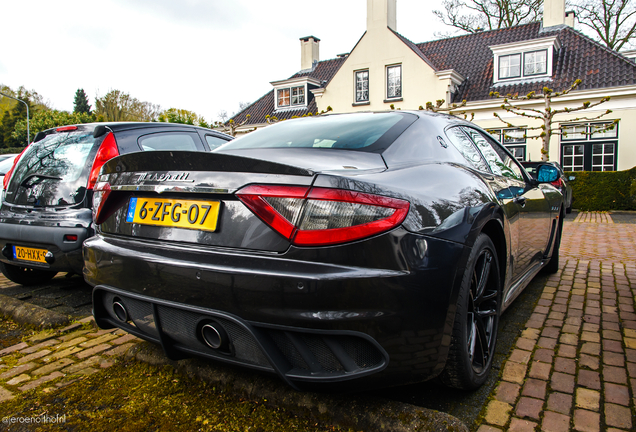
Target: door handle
521	200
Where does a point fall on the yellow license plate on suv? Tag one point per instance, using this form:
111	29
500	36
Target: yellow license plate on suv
190	214
29	254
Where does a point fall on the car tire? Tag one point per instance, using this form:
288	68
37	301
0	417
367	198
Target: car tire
476	323
553	265
26	276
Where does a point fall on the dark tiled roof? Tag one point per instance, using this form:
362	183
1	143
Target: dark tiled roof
578	58
324	71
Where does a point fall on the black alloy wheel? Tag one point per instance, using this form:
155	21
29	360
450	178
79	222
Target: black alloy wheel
476	321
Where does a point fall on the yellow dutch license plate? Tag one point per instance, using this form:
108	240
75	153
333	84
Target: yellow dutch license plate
190	214
29	254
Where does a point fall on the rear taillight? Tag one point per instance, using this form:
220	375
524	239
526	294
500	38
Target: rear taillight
7	176
558	183
107	150
100	195
323	216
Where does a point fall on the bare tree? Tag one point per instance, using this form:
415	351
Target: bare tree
547	113
223	116
613	22
472	16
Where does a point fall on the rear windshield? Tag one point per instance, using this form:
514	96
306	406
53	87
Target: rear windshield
364	132
53	172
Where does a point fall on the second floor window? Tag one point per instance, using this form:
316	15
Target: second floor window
362	86
291	96
510	66
535	63
394	81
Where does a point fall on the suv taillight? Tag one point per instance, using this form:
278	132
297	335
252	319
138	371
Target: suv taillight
7	176
107	150
323	216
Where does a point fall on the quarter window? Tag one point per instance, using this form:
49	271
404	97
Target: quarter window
362	86
513	139
500	163
535	63
510	66
394	81
467	148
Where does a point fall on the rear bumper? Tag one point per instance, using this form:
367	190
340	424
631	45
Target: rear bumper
67	255
308	322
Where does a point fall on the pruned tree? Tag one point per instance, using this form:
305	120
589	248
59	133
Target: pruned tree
472	16
230	126
80	103
612	22
451	110
546	114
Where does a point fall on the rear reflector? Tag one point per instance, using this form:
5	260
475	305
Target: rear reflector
70	237
323	216
100	196
107	150
66	128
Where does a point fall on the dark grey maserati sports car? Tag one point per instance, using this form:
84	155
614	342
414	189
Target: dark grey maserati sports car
352	250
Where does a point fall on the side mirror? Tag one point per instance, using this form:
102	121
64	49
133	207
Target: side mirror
571	178
547	173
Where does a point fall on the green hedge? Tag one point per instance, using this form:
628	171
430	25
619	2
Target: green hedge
604	190
11	150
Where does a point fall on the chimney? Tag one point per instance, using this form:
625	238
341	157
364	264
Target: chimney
570	17
309	53
553	13
381	14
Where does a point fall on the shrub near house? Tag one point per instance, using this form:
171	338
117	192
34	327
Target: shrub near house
604	190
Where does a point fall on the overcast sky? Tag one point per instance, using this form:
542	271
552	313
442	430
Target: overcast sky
200	55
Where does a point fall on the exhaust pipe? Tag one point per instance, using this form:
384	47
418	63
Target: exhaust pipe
120	310
214	335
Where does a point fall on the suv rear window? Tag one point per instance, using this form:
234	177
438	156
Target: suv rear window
53	171
364	132
167	141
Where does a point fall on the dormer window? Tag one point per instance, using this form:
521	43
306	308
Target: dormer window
293	93
291	96
510	66
535	63
525	60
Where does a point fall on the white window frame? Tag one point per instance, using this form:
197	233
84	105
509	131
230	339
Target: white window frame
547	44
529	53
290	98
355	85
586	140
509	57
388	81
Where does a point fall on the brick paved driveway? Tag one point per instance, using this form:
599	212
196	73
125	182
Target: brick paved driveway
574	367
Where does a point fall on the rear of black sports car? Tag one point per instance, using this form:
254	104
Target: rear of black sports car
302	257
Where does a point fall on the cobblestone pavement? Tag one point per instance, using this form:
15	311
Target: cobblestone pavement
572	369
54	359
574	366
